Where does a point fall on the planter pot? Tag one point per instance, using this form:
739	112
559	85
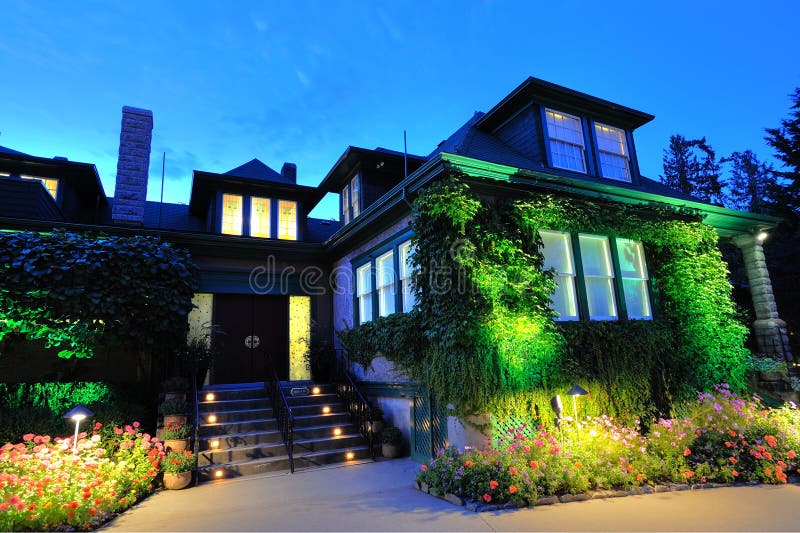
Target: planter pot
390	451
177	481
174	419
176	444
174	396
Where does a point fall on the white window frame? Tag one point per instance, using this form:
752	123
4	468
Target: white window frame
364	292
591	277
409	299
554	140
386	282
566	280
642	280
624	156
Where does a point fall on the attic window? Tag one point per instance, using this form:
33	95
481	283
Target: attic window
351	199
613	151
232	214
51	184
287	220
567	147
259	217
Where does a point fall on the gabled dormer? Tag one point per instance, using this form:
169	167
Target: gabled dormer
253	200
40	188
361	176
567	131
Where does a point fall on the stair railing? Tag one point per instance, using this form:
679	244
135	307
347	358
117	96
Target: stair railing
196	443
355	401
280	406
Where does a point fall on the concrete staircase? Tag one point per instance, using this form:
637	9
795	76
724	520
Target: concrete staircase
239	434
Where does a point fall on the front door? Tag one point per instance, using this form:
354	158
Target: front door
249	328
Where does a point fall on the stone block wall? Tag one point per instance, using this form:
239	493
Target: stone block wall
133	166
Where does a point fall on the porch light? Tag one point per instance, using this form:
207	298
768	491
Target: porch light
326	410
337	432
218	473
210	397
315	390
212	419
215	443
349	456
77	414
576	391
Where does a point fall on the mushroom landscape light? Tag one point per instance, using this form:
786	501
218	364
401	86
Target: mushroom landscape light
77	414
576	391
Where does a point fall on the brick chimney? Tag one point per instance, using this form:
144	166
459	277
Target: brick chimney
133	166
289	171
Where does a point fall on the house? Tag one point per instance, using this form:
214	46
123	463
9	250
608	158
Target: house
268	270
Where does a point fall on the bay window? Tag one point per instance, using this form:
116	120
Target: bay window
612	150
567	146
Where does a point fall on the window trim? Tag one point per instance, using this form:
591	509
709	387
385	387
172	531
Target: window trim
574	276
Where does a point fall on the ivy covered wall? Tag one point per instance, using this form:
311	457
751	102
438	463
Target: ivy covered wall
483	337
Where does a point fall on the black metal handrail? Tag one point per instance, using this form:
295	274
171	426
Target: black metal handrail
280	406
196	446
354	400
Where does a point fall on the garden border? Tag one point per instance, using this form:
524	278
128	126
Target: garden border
480	507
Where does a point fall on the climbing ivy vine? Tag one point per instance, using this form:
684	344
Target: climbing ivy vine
483	337
79	291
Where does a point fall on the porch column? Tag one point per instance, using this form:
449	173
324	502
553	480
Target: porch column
769	329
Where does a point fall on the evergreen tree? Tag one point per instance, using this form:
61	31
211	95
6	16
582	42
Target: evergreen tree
691	167
786	142
752	183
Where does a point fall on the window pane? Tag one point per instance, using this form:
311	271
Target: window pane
51	184
287	220
363	280
385	269
631	259
386	300
557	251
259	217
355	191
596	256
600	297
365	308
409	297
231	214
637	300
564	301
346	204
406	269
565	133
613	148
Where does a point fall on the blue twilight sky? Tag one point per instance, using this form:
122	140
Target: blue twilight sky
300	81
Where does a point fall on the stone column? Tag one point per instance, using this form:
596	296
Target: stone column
769	329
133	165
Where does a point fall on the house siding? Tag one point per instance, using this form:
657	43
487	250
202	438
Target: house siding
523	133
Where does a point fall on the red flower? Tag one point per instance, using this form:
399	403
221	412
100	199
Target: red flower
117	430
772	441
4	506
512	489
534	465
513	470
424	468
686	452
468	464
733	460
689	474
92	511
487	498
493	484
791	454
768	472
639	477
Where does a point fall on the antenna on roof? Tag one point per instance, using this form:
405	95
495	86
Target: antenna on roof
405	156
161	204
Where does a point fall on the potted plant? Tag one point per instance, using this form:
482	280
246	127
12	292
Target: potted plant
376	419
174	411
174	388
176	436
392	441
177	467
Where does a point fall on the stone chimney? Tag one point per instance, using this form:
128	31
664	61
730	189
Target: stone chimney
133	166
289	171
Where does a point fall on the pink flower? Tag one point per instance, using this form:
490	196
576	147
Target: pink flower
28	437
487	498
136	424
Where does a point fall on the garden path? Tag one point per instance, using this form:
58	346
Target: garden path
381	497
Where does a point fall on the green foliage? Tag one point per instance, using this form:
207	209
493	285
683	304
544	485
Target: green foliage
483	336
178	461
392	435
78	291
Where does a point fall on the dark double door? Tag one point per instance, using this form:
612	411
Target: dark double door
249	327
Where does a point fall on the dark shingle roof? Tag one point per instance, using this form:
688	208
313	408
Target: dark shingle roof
255	169
5	150
318	230
471	142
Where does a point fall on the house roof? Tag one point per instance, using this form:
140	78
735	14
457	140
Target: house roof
354	155
255	169
551	93
6	150
319	230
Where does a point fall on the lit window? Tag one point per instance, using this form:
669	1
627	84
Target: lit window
287	220
633	271
598	273
4	174
355	191
613	151
557	251
231	214
51	184
259	217
567	149
364	293
384	270
406	268
346	204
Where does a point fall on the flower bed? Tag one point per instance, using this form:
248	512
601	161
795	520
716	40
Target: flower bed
44	485
721	439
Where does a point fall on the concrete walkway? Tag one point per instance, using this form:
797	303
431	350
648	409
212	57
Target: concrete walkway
381	497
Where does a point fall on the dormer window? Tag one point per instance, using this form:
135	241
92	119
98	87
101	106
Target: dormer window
567	146
612	148
287	220
351	204
232	214
51	184
259	217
